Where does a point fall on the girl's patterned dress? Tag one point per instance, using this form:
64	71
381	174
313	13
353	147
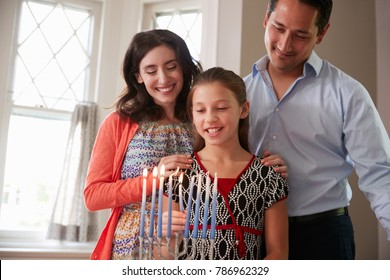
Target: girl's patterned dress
241	204
151	142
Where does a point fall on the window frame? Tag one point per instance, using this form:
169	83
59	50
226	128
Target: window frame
209	11
10	14
150	8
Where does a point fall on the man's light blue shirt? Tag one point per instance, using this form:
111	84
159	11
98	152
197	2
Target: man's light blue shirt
324	126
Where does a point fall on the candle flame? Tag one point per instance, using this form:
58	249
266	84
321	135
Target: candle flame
145	174
176	171
155	171
162	170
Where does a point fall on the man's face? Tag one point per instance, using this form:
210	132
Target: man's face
291	34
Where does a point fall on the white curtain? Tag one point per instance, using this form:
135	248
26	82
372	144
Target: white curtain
70	219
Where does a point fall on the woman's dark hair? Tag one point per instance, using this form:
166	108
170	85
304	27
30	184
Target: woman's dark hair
324	8
235	84
135	102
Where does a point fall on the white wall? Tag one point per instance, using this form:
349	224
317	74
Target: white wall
120	23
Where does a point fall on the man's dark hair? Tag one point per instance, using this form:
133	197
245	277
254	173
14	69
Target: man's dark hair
324	8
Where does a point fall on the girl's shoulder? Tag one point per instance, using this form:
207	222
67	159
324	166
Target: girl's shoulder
257	161
258	165
257	157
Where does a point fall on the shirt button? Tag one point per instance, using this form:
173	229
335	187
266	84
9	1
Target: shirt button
274	137
276	109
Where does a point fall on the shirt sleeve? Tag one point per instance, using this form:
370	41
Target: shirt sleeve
368	145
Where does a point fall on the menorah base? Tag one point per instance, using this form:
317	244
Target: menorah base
162	248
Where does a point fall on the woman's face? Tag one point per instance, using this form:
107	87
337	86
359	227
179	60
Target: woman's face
162	75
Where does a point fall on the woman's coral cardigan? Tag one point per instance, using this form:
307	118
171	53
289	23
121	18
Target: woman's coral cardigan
104	188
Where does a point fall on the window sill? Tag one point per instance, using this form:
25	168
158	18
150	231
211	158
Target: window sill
49	250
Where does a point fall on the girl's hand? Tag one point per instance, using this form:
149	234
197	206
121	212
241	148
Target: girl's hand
277	162
173	163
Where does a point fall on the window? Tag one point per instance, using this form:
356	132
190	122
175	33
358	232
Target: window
185	19
187	24
52	69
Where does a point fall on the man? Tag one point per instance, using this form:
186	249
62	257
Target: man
324	123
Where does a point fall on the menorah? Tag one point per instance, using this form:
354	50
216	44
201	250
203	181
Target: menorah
181	241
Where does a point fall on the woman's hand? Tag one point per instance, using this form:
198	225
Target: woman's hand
173	163
277	162
178	222
177	225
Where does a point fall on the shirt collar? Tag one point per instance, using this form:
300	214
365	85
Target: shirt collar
314	62
260	65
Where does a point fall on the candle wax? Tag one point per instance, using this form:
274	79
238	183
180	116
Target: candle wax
153	205
206	208
169	207
197	205
214	208
160	199
181	192
142	224
189	205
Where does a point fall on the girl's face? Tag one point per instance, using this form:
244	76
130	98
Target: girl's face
216	114
162	75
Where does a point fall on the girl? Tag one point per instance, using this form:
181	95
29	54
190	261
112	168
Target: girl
251	220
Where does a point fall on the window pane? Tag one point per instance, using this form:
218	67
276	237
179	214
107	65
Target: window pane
53	53
35	154
186	24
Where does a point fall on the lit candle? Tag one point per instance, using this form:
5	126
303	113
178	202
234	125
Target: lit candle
206	207
189	205
181	192
160	198
169	206
214	207
142	225
197	205
152	209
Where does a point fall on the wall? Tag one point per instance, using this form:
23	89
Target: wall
383	85
356	55
119	25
